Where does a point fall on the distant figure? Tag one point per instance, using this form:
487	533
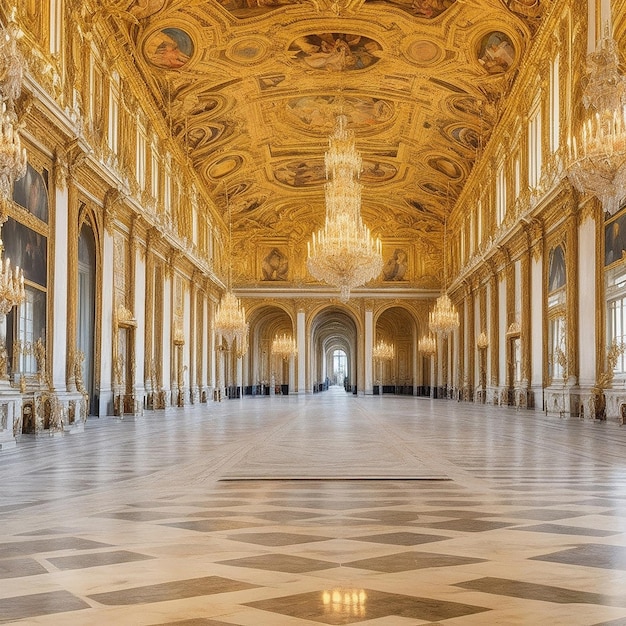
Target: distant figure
275	265
396	266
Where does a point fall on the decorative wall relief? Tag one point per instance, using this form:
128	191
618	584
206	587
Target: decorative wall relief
145	8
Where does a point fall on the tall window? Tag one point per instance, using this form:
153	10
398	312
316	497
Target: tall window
616	313
167	194
114	112
340	366
155	171
556	345
26	331
56	14
555	121
500	195
141	154
534	147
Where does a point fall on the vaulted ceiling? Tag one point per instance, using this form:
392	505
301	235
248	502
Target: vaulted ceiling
252	89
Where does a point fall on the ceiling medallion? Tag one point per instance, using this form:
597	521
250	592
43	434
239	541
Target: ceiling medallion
224	166
424	52
247	50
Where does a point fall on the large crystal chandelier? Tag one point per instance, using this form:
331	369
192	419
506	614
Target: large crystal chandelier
383	351
11	285
284	346
343	253
599	157
230	317
12	65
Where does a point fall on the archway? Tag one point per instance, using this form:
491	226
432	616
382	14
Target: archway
266	373
334	345
400	374
85	328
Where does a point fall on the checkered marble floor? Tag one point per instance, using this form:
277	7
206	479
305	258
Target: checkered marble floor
255	512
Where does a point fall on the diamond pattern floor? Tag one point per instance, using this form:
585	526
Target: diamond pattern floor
511	518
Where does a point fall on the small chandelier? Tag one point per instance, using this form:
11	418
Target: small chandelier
483	341
284	346
383	351
230	320
599	160
11	285
427	345
444	317
230	317
343	253
12	155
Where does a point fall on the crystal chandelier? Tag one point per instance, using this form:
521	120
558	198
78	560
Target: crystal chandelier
599	160
230	317
427	345
11	285
383	351
444	317
343	253
284	346
12	155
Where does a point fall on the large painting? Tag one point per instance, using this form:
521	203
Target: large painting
318	112
169	48
31	192
335	51
428	9
556	278
615	239
27	250
496	53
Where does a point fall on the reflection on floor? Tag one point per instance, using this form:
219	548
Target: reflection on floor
250	512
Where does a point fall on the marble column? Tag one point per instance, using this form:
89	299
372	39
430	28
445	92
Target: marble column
302	350
368	348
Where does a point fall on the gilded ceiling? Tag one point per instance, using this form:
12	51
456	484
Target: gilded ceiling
252	89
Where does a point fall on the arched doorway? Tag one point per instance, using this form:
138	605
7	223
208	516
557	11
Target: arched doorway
85	329
400	374
264	371
334	350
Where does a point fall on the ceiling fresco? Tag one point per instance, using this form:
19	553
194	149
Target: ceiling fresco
251	90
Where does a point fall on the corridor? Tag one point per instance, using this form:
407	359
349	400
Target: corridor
318	509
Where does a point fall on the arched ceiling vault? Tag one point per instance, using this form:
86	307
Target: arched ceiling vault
251	89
